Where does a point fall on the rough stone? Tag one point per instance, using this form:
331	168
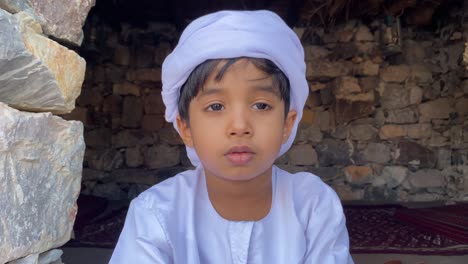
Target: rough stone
460	157
318	69
78	114
122	55
394	175
392	131
413	154
136	176
93	175
89	97
63	22
154	104
421	74
362	132
39	181
148	74
347	194
444	158
333	152
162	156
143	58
363	34
453	54
109	191
419	131
425	197
456	136
437	109
437	140
50	257
302	134
464	85
395	96
37	73
112	104
133	157
104	159
366	47
413	52
152	123
345	35
115	74
358	174
98	138
380	193
131	138
31	259
314	134
328	173
347	110
308	117
303	155
415	95
401	116
322	120
346	85
317	86
377	152
132	112
161	53
315	52
368	84
126	88
461	106
427	178
398	73
169	135
368	68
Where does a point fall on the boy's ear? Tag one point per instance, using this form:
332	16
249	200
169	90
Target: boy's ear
184	131
288	124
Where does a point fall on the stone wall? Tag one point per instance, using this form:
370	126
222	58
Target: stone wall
41	155
376	128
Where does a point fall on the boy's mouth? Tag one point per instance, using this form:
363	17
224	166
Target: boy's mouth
240	155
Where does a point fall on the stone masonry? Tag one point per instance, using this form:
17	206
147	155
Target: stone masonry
375	128
41	154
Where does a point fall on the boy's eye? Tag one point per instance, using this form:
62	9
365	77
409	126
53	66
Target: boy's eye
261	106
215	107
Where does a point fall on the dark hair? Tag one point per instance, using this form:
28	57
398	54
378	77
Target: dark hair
199	75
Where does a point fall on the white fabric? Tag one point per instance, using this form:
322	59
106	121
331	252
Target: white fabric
232	34
175	222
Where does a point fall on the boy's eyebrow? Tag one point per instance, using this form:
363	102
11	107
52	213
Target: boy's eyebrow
209	91
260	88
267	88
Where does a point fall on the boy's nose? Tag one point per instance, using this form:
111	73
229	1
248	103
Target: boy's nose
240	124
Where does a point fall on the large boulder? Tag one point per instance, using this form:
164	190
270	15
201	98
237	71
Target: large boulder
61	19
41	158
36	74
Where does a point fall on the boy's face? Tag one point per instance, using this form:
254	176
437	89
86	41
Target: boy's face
237	125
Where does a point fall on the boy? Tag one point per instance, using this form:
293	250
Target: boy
234	87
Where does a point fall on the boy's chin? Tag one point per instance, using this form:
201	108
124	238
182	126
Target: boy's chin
242	176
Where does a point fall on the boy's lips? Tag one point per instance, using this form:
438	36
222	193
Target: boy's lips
239	155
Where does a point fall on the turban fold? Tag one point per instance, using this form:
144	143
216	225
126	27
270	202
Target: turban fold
233	34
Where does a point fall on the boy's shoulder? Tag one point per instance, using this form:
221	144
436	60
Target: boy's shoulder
166	194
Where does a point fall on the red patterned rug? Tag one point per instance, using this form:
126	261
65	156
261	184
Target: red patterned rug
396	229
372	229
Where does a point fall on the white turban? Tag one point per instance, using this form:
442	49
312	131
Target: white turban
232	34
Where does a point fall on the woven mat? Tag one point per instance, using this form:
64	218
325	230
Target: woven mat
372	229
380	229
